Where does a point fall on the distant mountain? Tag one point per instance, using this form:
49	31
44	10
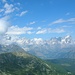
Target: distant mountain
54	48
10	48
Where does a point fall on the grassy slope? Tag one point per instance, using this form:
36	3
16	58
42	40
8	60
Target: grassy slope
21	63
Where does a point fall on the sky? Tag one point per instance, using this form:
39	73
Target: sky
37	18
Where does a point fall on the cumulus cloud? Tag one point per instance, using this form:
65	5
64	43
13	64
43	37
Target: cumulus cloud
62	21
15	30
9	8
4	24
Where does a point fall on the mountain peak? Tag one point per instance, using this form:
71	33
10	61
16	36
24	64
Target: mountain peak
68	36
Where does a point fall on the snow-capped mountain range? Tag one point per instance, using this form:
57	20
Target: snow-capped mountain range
57	47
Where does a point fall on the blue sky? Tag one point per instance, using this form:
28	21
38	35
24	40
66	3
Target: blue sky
39	18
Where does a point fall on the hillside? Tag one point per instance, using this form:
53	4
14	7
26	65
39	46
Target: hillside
21	63
10	48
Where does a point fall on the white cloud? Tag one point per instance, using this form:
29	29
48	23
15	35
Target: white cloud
32	23
62	21
42	31
22	13
15	30
29	32
9	8
58	21
4	24
49	30
57	30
